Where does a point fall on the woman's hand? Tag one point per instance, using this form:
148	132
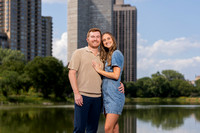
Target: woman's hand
96	66
121	88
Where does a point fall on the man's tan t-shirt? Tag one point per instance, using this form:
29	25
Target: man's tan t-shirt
88	80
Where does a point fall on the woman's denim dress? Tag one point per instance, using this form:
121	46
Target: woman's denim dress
113	99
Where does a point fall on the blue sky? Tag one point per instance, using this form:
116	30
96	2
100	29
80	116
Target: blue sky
168	34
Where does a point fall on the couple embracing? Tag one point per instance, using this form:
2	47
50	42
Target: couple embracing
90	70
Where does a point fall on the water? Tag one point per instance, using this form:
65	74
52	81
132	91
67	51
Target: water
134	119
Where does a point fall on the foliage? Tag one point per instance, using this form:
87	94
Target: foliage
10	82
48	76
171	75
10	55
169	83
45	74
11	60
197	83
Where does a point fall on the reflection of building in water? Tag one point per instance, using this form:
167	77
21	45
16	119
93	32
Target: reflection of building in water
128	124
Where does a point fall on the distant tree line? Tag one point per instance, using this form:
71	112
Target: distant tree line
46	75
168	83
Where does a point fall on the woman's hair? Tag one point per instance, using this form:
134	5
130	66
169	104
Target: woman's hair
105	53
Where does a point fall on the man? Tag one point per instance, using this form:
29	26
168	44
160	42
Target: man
86	84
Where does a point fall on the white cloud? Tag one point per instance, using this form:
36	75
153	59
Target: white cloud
60	48
162	55
167	48
188	67
55	1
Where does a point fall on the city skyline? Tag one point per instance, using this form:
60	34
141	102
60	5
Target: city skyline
109	16
23	28
168	34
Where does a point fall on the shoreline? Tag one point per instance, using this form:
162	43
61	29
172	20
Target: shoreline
157	100
28	100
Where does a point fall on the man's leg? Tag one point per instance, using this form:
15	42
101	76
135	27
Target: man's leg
93	115
81	116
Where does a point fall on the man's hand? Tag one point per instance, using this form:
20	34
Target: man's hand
121	87
78	99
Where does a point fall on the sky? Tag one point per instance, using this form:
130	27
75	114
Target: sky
168	35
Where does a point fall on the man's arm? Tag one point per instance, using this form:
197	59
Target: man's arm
73	81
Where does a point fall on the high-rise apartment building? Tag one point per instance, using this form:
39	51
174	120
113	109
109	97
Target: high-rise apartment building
125	32
3	40
83	15
21	21
109	15
47	36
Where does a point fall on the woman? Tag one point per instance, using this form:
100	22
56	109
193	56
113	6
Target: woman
113	100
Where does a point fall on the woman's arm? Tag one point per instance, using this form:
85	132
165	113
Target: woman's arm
112	75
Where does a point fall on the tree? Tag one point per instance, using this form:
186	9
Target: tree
46	74
10	82
144	87
11	55
171	75
181	88
197	83
185	88
11	60
160	85
131	89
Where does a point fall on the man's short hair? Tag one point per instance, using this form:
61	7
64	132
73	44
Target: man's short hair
93	30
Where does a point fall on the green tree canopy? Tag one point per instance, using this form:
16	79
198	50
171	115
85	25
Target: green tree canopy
10	82
172	74
197	82
11	60
46	74
10	55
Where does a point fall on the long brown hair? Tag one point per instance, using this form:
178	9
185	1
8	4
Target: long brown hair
105	53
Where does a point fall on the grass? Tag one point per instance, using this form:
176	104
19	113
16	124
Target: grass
32	97
179	100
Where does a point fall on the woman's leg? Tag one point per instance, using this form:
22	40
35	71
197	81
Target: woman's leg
116	128
111	121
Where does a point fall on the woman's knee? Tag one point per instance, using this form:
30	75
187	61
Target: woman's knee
108	128
116	128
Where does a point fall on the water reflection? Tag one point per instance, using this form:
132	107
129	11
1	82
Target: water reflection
59	119
168	117
36	120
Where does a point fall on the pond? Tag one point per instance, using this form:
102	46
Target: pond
134	119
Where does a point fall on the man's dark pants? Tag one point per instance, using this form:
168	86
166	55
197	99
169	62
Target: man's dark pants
87	115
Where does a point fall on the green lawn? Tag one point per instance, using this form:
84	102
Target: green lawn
179	100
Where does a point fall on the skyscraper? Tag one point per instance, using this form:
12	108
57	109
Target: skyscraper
3	40
125	32
83	15
46	36
109	15
21	21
